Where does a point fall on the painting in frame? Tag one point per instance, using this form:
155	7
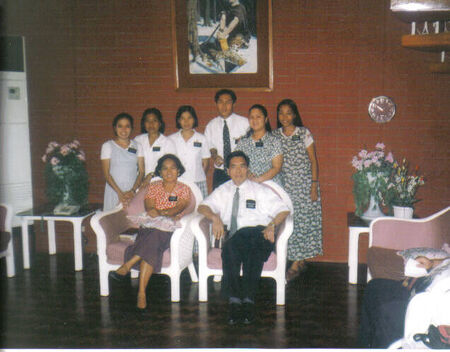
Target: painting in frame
222	44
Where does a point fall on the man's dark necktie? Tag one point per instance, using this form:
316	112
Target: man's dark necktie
234	213
226	141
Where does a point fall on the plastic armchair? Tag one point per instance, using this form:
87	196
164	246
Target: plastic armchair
394	233
210	260
6	214
111	247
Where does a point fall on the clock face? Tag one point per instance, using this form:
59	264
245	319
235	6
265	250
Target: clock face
381	109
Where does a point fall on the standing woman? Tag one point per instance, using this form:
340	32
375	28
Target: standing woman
263	149
192	147
122	164
300	173
154	143
169	198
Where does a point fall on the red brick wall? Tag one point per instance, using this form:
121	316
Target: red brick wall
89	60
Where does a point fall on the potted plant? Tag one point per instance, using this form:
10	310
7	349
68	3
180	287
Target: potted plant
401	191
66	176
371	178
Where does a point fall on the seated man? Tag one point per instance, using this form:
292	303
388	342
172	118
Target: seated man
385	302
250	211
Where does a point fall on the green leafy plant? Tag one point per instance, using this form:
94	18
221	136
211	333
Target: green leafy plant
371	177
402	187
65	173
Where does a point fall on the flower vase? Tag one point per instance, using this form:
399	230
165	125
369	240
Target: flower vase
403	212
373	211
67	206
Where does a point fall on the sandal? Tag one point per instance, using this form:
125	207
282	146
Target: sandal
293	273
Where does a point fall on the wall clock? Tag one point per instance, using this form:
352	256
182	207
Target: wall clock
381	109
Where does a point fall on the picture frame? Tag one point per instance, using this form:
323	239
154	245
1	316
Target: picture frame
186	78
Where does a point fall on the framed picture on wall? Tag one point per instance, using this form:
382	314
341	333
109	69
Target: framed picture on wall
222	43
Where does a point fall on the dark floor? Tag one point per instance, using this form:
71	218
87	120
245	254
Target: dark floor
51	306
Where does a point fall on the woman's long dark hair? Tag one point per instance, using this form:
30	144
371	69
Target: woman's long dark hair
264	111
297	119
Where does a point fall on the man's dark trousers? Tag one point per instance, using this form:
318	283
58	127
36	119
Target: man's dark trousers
249	248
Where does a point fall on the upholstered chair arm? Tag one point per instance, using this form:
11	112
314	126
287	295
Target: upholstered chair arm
400	234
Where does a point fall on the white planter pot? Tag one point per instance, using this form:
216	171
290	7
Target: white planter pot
373	211
403	212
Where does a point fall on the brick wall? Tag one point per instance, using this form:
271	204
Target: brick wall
89	60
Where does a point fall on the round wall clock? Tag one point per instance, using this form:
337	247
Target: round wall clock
381	109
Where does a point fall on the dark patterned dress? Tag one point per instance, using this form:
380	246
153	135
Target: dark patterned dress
306	239
261	153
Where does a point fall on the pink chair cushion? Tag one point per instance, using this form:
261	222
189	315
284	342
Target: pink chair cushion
271	263
2	218
115	253
215	260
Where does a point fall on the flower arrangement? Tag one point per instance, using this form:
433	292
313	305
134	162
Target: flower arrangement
65	173
373	169
402	188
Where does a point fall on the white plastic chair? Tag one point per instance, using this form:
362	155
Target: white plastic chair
6	214
110	224
210	261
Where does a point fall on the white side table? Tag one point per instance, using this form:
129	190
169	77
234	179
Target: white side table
356	227
43	214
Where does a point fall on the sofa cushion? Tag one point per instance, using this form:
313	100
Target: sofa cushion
384	263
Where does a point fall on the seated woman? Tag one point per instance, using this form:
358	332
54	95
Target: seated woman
263	149
164	198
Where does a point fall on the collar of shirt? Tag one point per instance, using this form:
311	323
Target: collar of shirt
296	131
262	139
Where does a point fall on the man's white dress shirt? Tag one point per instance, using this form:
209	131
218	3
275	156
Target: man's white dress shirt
237	125
258	204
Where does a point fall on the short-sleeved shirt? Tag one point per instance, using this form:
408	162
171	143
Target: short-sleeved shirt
261	154
237	125
163	145
107	148
164	200
308	138
258	204
191	153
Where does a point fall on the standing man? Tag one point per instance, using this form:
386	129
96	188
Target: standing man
250	211
223	132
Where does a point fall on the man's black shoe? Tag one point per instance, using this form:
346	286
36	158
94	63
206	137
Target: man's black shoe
249	312
234	313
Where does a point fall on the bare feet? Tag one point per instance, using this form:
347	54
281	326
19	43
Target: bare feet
141	301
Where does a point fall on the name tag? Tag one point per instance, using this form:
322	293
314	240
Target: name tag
250	204
259	144
156	149
197	144
173	198
132	150
296	137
